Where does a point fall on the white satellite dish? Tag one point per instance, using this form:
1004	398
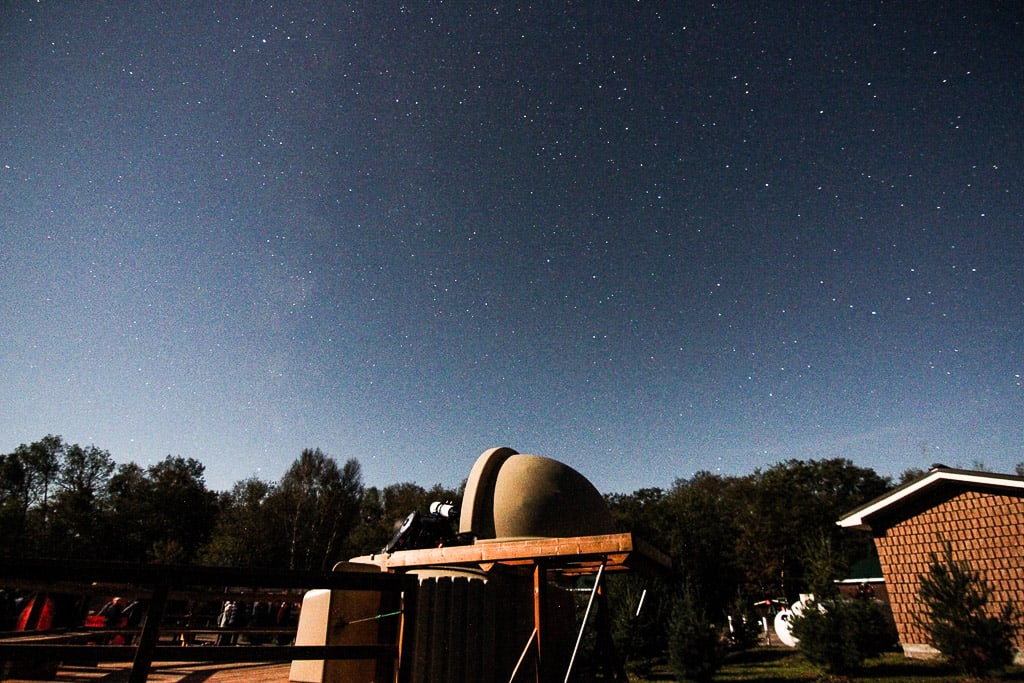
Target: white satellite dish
783	627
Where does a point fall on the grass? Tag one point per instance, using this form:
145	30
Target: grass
781	665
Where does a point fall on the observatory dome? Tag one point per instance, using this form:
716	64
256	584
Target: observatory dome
511	495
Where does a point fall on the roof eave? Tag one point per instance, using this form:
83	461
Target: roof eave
859	517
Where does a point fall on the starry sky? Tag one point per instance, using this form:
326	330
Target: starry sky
643	238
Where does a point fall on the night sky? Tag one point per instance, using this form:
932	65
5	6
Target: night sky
646	239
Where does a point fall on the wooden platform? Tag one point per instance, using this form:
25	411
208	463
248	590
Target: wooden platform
566	556
176	672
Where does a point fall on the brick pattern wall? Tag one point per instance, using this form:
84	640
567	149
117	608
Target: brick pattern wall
983	528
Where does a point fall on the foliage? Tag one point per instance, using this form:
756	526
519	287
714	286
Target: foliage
826	636
744	625
738	538
841	634
81	489
695	646
245	533
370	533
744	537
320	502
835	633
781	664
703	514
26	481
383	511
638	616
65	500
178	510
822	565
909	475
640	512
790	502
958	618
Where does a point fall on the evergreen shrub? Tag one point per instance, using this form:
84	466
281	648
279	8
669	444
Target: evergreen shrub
696	649
841	634
958	618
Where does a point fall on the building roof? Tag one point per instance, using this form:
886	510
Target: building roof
938	477
868	569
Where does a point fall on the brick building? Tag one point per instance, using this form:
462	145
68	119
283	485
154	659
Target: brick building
979	513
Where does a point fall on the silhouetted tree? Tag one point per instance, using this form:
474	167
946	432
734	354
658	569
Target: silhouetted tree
703	522
79	502
382	510
695	646
640	607
247	533
181	509
321	502
791	502
43	462
126	533
162	514
370	532
26	481
13	504
640	512
909	475
837	633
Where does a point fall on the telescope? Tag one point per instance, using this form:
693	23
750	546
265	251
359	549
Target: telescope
446	510
433	530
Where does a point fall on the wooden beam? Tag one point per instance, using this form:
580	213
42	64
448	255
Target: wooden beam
83	572
563	555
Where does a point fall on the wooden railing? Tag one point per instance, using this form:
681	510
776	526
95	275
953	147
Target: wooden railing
154	639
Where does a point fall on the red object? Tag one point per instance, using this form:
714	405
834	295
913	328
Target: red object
37	614
95	621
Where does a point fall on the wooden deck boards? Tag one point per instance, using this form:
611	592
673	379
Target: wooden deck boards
177	672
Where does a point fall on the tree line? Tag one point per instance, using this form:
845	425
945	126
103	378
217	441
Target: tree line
62	500
733	537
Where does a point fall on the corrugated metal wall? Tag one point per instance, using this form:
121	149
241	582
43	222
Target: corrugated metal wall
472	630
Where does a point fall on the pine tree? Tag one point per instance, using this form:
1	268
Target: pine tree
958	619
696	650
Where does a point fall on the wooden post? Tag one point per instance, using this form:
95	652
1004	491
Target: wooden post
614	669
539	601
406	631
150	635
440	629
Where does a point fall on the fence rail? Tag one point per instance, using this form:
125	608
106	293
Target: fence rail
159	582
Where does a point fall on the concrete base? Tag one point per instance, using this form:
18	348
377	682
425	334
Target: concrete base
924	651
921	651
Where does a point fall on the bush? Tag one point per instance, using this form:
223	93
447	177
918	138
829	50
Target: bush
835	633
639	635
744	625
695	648
957	616
840	634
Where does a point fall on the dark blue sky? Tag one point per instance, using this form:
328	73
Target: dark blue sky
643	239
